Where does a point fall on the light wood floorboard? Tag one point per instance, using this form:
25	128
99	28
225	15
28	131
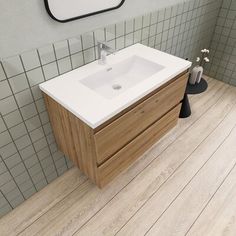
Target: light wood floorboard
175	188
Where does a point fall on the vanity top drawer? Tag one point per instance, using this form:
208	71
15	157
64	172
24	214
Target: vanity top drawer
131	124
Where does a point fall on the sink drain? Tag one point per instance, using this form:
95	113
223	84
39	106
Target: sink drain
116	86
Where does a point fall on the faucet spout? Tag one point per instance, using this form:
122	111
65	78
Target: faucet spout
103	50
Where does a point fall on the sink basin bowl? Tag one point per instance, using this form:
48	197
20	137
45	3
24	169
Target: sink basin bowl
117	79
95	93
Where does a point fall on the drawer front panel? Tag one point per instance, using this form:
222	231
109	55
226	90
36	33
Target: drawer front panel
120	132
122	159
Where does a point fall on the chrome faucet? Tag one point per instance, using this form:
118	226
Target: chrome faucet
103	50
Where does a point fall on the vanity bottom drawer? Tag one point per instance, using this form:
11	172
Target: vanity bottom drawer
123	158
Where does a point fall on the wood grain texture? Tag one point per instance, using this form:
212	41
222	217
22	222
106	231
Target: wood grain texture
132	123
137	147
83	137
74	137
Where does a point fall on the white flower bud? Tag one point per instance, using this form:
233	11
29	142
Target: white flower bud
198	59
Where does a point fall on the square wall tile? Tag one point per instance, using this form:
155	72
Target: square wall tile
88	40
41	185
110	32
154	17
30	60
18	131
37	93
5	90
89	55
5	138
2	125
40	105
17	201
35	76
120	29
13	160
18	83
26	185
2	74
7	105
75	45
161	15
31	161
8	187
77	60
18	169
137	36
28	111
33	123
12	194
129	26
47	54
27	152
146	20
13	66
50	70
4	178
61	49
8	150
23	142
3	167
37	134
23	177
24	98
120	43
38	177
129	39
99	35
13	118
29	192
64	65
138	23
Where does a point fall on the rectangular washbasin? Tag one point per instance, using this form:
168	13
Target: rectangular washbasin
95	93
118	78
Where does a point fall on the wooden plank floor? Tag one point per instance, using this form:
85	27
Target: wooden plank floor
184	185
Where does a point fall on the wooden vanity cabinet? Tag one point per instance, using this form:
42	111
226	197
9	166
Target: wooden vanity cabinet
104	152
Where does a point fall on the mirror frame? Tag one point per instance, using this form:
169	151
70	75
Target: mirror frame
82	16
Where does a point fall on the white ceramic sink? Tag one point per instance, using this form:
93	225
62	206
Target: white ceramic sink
116	79
95	93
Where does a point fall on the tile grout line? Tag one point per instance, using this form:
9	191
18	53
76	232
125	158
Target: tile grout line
40	61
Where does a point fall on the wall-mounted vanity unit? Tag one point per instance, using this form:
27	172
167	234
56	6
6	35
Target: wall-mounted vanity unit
104	117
